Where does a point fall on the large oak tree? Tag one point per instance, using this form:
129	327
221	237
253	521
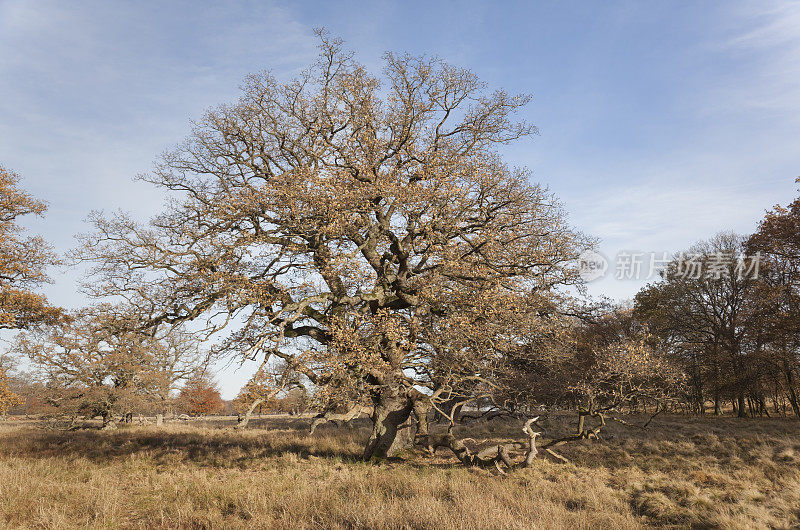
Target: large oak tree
362	228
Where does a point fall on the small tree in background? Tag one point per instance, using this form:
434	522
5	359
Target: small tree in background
8	399
295	401
263	389
93	363
259	388
200	395
248	402
599	364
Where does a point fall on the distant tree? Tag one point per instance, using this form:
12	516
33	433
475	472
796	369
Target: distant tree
229	407
257	393
629	372
260	387
602	363
294	401
778	241
263	389
23	261
200	395
707	312
245	405
8	399
92	363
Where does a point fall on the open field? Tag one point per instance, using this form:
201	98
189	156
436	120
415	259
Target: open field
682	472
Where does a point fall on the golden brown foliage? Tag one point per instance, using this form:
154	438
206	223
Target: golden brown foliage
8	399
92	362
778	241
606	360
23	261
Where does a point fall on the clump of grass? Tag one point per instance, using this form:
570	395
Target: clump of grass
682	472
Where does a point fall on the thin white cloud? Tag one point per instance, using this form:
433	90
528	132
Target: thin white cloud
765	37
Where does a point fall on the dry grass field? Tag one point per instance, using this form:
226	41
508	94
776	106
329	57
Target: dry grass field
682	472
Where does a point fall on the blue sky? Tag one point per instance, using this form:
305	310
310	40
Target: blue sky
661	122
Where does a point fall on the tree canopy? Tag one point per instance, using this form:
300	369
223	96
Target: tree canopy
362	228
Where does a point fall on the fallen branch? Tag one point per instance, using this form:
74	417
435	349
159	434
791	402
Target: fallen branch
351	414
557	456
492	456
644	426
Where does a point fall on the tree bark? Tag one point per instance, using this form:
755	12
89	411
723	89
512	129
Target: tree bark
792	394
392	410
741	406
793	401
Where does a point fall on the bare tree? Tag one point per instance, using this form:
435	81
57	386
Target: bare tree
707	311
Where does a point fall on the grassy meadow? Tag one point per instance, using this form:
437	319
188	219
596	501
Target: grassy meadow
682	472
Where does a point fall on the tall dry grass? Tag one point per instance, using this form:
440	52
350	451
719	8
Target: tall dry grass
682	472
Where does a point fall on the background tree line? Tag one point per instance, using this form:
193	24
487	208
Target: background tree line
736	336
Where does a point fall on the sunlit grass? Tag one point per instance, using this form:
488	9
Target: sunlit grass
683	472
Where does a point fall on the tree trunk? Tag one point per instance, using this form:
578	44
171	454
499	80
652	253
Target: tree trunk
794	402
159	420
741	407
108	424
392	410
792	394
